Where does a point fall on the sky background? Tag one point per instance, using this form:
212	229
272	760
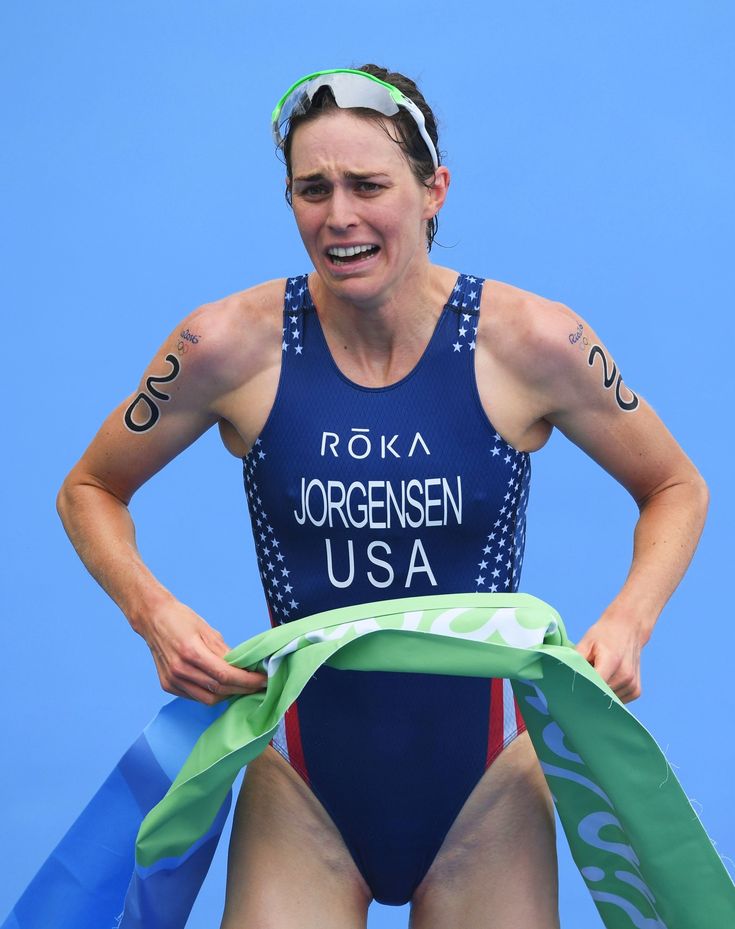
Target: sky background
591	147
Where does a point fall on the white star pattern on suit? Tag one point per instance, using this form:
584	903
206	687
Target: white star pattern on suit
502	552
272	565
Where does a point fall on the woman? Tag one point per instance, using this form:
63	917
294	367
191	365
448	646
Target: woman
385	409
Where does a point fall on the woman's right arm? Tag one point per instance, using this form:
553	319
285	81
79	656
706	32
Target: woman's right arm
174	404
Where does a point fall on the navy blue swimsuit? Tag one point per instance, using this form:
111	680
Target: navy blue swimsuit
359	494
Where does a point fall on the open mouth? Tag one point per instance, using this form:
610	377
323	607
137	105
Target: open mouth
353	254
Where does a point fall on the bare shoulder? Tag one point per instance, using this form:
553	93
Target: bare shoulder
552	351
561	361
547	344
213	352
242	363
235	335
521	324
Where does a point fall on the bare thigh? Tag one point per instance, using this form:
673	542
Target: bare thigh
288	866
497	867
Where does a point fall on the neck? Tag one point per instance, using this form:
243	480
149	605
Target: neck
401	313
379	340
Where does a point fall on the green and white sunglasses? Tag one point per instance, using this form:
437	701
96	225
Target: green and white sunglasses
351	89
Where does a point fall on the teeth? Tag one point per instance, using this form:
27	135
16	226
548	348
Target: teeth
349	252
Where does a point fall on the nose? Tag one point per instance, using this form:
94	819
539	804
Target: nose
342	213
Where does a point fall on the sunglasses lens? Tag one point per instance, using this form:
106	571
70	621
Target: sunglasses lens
350	89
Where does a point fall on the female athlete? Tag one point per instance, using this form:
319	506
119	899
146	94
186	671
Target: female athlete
385	409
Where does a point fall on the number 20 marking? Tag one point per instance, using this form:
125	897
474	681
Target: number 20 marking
609	377
154	412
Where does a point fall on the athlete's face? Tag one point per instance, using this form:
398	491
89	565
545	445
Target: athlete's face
353	188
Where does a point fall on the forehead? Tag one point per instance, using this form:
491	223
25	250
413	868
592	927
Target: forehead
341	140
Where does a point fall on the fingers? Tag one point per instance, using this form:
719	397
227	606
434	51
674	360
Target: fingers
585	649
207	680
628	690
223	677
194	671
210	693
188	654
623	680
193	692
214	641
619	677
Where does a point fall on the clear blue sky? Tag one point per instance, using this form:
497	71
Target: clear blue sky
592	152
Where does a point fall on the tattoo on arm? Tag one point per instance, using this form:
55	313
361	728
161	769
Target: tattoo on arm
574	337
164	378
154	412
608	376
186	338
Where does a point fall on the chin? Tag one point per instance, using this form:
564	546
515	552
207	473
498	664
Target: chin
365	281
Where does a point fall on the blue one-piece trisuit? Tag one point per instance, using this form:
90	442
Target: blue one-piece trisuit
359	494
402	659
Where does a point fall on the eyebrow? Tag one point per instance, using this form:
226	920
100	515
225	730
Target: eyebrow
349	175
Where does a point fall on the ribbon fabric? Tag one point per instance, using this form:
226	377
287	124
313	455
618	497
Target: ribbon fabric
639	844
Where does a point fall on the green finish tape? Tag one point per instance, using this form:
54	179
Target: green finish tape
639	844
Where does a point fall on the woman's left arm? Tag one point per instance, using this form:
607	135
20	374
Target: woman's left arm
666	536
588	401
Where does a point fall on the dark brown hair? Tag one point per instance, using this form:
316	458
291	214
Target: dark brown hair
408	135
